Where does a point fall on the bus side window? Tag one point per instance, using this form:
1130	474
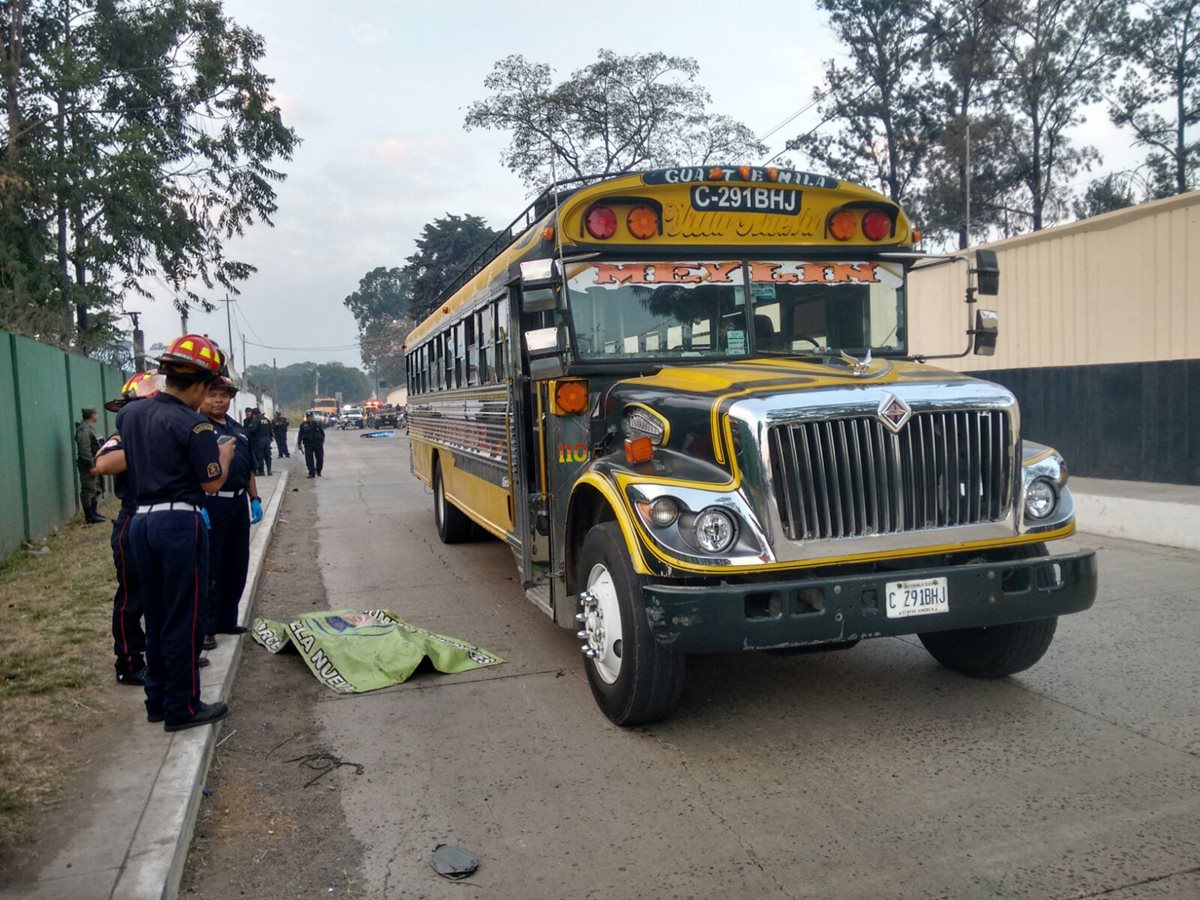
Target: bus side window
471	338
487	338
501	337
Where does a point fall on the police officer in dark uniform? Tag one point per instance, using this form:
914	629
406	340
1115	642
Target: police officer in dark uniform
264	442
129	637
280	428
250	424
311	438
173	460
230	518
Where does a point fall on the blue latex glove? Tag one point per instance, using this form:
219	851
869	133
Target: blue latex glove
204	516
255	510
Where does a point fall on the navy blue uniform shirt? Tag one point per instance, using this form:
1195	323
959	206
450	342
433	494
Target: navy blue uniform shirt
121	480
241	464
170	450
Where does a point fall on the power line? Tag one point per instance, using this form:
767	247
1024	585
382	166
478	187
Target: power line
271	347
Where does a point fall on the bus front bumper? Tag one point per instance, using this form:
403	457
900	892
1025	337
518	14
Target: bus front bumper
694	618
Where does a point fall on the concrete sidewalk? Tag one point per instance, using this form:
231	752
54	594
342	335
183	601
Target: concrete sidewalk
131	824
130	817
1166	514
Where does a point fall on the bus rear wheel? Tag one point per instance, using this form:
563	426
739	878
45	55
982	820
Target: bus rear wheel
633	678
453	526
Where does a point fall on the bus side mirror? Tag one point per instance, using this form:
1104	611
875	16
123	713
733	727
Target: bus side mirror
987	330
539	285
987	271
547	358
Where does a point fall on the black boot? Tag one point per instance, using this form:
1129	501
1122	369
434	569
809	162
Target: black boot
91	515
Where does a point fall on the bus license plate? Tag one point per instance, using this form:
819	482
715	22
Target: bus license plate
917	598
734	198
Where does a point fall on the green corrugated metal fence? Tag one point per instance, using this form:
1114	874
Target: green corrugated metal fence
42	390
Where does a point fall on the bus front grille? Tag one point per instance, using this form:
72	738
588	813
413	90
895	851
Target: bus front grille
851	477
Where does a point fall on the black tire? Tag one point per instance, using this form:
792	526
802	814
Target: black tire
453	526
995	651
649	679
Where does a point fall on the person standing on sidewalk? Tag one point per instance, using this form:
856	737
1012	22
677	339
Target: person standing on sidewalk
250	424
86	445
173	460
264	442
280	429
311	439
230	518
129	636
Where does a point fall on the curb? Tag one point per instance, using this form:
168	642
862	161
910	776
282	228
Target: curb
1134	519
154	864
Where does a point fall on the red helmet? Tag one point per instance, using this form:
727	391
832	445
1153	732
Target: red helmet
224	381
140	386
194	351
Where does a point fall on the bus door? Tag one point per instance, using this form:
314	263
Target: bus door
525	452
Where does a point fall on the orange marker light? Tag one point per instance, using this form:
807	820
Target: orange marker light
917	235
571	397
843	225
744	173
716	173
772	173
548	233
642	222
638	449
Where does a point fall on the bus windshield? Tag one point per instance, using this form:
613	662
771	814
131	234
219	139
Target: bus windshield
735	308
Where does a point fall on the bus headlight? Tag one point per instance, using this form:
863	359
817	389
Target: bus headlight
1040	498
715	530
663	511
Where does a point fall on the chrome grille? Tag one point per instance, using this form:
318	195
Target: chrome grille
851	477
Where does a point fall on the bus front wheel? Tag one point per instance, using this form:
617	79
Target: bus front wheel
453	526
633	678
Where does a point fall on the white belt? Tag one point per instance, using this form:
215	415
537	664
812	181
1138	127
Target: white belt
167	507
228	493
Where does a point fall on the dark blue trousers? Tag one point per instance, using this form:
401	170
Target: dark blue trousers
170	549
129	638
314	457
228	559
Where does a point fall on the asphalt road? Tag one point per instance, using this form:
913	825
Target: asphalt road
865	773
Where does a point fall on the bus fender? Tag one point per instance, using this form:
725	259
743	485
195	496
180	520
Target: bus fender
609	495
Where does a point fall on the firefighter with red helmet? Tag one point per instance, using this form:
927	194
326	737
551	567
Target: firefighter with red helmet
231	511
173	460
129	637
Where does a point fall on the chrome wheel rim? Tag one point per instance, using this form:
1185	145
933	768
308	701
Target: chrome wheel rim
601	620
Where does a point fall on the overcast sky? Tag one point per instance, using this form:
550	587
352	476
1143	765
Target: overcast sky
378	89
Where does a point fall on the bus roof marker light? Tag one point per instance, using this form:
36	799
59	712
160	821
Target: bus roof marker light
638	450
642	222
772	173
876	225
744	173
601	223
548	233
843	225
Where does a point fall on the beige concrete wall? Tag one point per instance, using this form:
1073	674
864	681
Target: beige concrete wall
1122	287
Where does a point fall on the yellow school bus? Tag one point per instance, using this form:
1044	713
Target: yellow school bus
685	399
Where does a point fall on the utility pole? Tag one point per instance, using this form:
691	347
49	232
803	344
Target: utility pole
967	181
139	344
229	323
244	366
275	379
317	383
183	316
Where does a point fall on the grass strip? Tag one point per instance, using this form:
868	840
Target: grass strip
55	664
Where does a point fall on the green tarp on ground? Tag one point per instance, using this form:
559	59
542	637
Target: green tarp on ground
353	651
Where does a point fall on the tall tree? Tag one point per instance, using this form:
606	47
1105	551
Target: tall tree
297	383
967	171
141	135
1162	47
616	114
1056	58
446	246
383	294
883	105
